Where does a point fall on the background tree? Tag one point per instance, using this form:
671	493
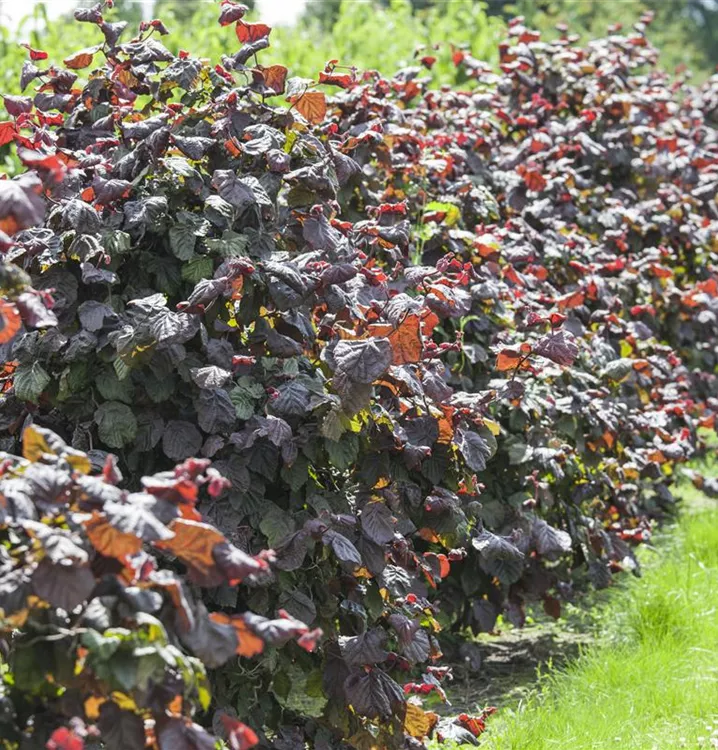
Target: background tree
685	31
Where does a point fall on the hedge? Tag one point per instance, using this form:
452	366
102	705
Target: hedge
444	349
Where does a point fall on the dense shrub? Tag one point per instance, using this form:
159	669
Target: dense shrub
426	335
208	301
100	629
576	198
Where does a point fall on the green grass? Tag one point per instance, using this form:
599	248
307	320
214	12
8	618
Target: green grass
651	683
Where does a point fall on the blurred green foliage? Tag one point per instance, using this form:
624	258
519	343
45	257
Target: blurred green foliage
362	34
685	31
381	34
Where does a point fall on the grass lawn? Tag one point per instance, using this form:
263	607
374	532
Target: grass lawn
651	681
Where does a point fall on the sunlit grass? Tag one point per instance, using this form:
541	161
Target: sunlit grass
652	681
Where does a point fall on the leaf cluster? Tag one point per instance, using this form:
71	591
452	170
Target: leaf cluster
446	346
103	629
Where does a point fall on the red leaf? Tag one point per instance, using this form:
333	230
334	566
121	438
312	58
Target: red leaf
344	81
53	163
110	470
442	565
7	370
64	739
251	32
308	641
8	131
239	736
475	724
661	271
10	321
571	300
35	54
534	180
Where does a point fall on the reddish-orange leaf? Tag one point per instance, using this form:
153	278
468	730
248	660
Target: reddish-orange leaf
343	80
65	739
540	272
239	735
709	286
193	543
661	271
10	321
534	180
70	161
441	561
508	359
444	565
40	160
457	56
251	32
248	644
377	330
9	225
175	705
446	424
429	321
80	59
8	131
275	77
232	147
657	456
7	370
428	535
108	541
475	724
35	54
393	387
571	300
406	341
312	105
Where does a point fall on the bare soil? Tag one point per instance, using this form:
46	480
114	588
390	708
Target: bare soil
500	670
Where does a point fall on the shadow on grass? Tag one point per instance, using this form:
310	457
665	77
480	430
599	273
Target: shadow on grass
634	668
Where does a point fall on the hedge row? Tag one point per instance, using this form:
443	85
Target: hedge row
447	347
